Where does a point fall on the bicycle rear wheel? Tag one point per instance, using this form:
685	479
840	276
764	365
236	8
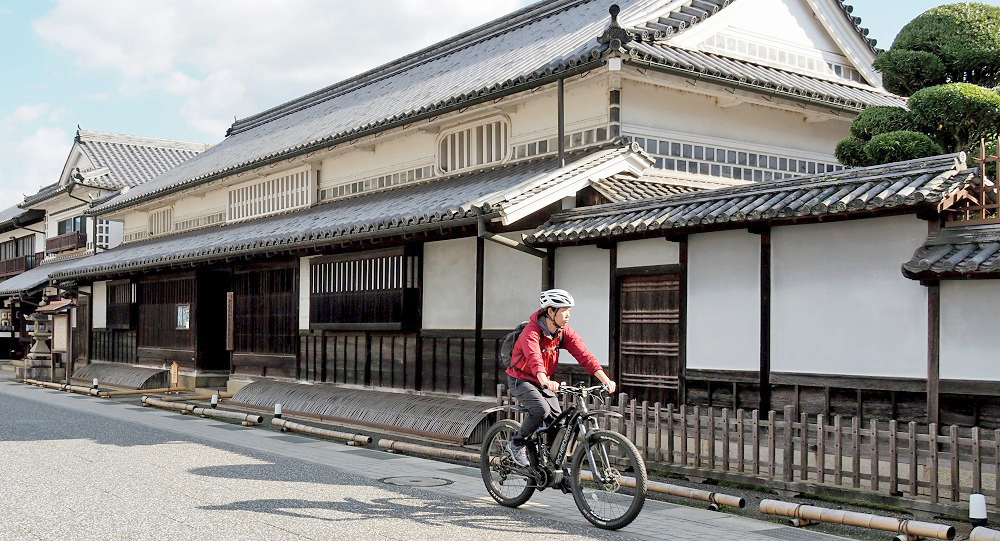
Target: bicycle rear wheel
611	489
500	474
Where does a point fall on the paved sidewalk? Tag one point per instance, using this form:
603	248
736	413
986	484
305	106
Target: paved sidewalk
658	520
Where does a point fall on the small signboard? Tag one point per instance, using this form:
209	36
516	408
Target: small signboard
230	308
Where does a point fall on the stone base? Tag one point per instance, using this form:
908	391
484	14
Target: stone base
214	380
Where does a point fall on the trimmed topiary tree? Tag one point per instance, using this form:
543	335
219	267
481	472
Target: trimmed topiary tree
962	39
957	115
851	152
900	146
880	119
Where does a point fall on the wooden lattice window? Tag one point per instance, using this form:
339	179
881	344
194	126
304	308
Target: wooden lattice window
276	194
121	309
474	146
375	290
161	221
265	315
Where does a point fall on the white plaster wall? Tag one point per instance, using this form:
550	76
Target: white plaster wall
586	103
207	203
304	289
723	301
511	284
650	106
116	233
397	153
969	330
647	252
134	220
839	303
585	271
449	283
99	301
795	18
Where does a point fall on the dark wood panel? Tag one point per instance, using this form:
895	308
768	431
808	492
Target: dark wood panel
649	339
113	346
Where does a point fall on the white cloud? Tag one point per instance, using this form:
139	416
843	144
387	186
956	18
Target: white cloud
38	159
229	58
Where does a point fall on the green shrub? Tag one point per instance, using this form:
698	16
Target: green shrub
851	152
900	146
956	115
904	72
964	36
881	119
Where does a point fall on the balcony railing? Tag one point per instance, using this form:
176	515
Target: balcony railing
68	241
17	265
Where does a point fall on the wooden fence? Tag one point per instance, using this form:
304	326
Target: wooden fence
920	462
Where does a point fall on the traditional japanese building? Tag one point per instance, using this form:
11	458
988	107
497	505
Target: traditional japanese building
369	233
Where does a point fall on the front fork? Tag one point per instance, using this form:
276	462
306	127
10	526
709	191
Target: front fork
600	473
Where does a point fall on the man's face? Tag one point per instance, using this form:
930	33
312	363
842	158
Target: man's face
560	316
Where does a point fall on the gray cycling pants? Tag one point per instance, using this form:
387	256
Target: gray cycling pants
541	404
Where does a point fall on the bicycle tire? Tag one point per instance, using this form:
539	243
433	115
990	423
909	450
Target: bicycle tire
611	505
507	487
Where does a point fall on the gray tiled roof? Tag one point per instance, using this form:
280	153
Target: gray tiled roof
625	187
851	191
957	252
524	49
35	277
440	203
9	214
120	161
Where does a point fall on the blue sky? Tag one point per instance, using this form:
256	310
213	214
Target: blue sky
183	69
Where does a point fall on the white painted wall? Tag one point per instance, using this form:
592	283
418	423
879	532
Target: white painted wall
723	301
511	284
647	252
969	330
585	271
304	289
450	284
839	303
99	301
699	115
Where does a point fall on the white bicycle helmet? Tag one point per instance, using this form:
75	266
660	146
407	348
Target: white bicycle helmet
555	298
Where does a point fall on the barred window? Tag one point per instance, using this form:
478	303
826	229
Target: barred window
473	146
161	221
376	289
121	305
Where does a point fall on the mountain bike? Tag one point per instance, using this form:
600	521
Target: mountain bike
601	468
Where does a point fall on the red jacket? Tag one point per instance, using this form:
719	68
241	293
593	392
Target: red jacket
535	352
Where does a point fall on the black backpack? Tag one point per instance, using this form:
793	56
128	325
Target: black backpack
507	345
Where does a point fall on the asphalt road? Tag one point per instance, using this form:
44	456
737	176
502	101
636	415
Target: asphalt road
102	471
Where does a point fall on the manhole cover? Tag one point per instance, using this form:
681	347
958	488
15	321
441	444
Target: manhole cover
407	481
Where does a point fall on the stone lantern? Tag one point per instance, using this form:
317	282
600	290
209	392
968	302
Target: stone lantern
38	361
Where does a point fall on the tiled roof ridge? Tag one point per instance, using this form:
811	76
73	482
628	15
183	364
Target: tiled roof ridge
84	136
678	20
940	163
848	10
478	34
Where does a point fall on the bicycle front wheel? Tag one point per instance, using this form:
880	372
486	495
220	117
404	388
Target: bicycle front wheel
608	480
500	474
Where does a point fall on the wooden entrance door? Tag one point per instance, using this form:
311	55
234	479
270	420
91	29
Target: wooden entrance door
649	345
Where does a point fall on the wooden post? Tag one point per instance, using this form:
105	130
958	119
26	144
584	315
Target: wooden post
804	446
632	422
765	321
893	458
697	436
911	440
645	430
932	462
953	449
740	451
874	460
977	463
710	437
684	435
771	443
838	451
477	385
821	448
670	433
856	452
788	453
658	435
725	439
933	352
755	440
996	462
622	400
614	309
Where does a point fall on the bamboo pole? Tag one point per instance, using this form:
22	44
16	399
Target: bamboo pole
679	491
452	454
984	534
306	429
863	520
206	412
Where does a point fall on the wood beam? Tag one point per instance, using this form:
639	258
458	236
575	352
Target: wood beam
933	352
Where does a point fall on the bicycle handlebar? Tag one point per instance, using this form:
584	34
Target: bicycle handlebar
580	389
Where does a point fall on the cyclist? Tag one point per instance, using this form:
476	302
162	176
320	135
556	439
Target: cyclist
534	360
